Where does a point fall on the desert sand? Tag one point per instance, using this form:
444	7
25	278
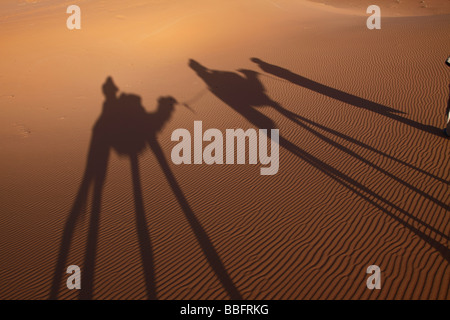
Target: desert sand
394	8
364	166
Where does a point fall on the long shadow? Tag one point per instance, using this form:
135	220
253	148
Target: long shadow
294	116
245	92
119	127
349	99
343	96
203	239
298	120
127	128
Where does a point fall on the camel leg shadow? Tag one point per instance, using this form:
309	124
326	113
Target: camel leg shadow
201	235
94	175
145	243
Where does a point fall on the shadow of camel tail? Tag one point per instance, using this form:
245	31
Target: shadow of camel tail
201	235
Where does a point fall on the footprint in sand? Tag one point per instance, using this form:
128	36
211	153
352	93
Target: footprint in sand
22	130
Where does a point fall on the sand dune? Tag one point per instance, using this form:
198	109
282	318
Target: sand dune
364	171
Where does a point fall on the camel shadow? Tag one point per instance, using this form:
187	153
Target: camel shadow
343	96
244	93
125	127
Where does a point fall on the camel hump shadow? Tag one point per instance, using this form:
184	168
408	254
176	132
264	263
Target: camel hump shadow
241	90
126	127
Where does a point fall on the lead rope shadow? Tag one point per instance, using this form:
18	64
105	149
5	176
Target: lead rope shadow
127	128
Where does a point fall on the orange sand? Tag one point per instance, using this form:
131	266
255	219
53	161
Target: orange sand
364	171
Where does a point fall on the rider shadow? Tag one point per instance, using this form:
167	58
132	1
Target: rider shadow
127	128
244	93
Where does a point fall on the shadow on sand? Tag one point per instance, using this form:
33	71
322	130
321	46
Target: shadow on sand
125	126
243	92
343	96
